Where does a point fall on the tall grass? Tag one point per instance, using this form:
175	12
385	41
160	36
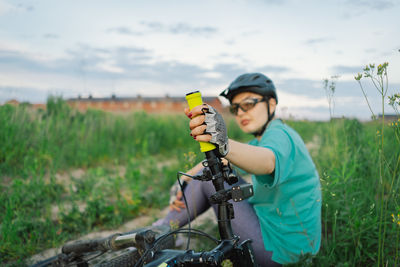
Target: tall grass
130	161
42	204
359	164
348	163
59	137
388	169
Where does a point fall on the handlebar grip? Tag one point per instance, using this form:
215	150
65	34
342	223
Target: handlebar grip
194	99
83	246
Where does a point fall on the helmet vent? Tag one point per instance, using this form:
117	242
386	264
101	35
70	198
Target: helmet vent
255	77
268	81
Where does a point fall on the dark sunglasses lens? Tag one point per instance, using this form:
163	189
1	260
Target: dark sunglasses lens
246	106
234	109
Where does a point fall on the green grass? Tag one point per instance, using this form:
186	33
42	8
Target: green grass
43	202
348	166
60	138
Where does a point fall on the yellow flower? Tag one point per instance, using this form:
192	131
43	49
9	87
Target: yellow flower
396	219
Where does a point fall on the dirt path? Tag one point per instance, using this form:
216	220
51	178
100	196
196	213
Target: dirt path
136	223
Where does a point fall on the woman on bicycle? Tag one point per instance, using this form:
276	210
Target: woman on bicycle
283	218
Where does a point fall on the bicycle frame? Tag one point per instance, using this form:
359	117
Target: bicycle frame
228	248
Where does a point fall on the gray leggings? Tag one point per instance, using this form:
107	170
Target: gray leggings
245	224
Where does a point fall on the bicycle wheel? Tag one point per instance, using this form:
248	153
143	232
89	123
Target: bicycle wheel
62	260
126	258
45	263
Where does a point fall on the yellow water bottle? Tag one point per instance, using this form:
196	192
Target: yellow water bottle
194	99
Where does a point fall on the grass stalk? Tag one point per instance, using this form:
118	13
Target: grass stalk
366	99
396	259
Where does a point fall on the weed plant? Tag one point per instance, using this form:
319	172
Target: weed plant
129	163
43	204
348	163
60	138
388	167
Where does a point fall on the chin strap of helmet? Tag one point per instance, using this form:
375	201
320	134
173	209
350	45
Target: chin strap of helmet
270	116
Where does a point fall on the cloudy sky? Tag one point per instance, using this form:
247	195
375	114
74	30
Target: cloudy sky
156	47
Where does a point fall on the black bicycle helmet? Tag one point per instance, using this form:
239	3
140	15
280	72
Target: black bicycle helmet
251	82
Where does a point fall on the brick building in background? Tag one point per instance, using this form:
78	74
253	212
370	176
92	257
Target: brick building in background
15	102
165	104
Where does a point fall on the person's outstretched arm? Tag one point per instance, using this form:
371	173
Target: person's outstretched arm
253	159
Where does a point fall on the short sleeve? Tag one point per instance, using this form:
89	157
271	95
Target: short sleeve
279	142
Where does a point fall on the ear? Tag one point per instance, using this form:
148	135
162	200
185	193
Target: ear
272	104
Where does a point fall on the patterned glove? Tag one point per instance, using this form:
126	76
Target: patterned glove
217	129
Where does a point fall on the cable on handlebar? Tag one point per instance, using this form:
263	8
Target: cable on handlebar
154	248
189	230
187	207
173	232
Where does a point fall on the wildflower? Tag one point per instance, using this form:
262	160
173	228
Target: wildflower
382	68
396	219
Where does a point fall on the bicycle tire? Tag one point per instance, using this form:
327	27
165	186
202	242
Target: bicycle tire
45	263
127	259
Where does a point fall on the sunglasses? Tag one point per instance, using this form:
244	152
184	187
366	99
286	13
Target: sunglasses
245	105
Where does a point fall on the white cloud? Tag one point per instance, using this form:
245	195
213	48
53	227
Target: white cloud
291	100
302	114
110	67
13	46
212	74
154	47
5	7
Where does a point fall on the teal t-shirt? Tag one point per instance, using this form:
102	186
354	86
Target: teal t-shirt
288	202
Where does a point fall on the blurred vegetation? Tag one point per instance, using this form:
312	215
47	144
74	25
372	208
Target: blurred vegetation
129	162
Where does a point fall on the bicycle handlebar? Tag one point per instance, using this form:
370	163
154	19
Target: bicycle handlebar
102	244
113	242
194	99
141	238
